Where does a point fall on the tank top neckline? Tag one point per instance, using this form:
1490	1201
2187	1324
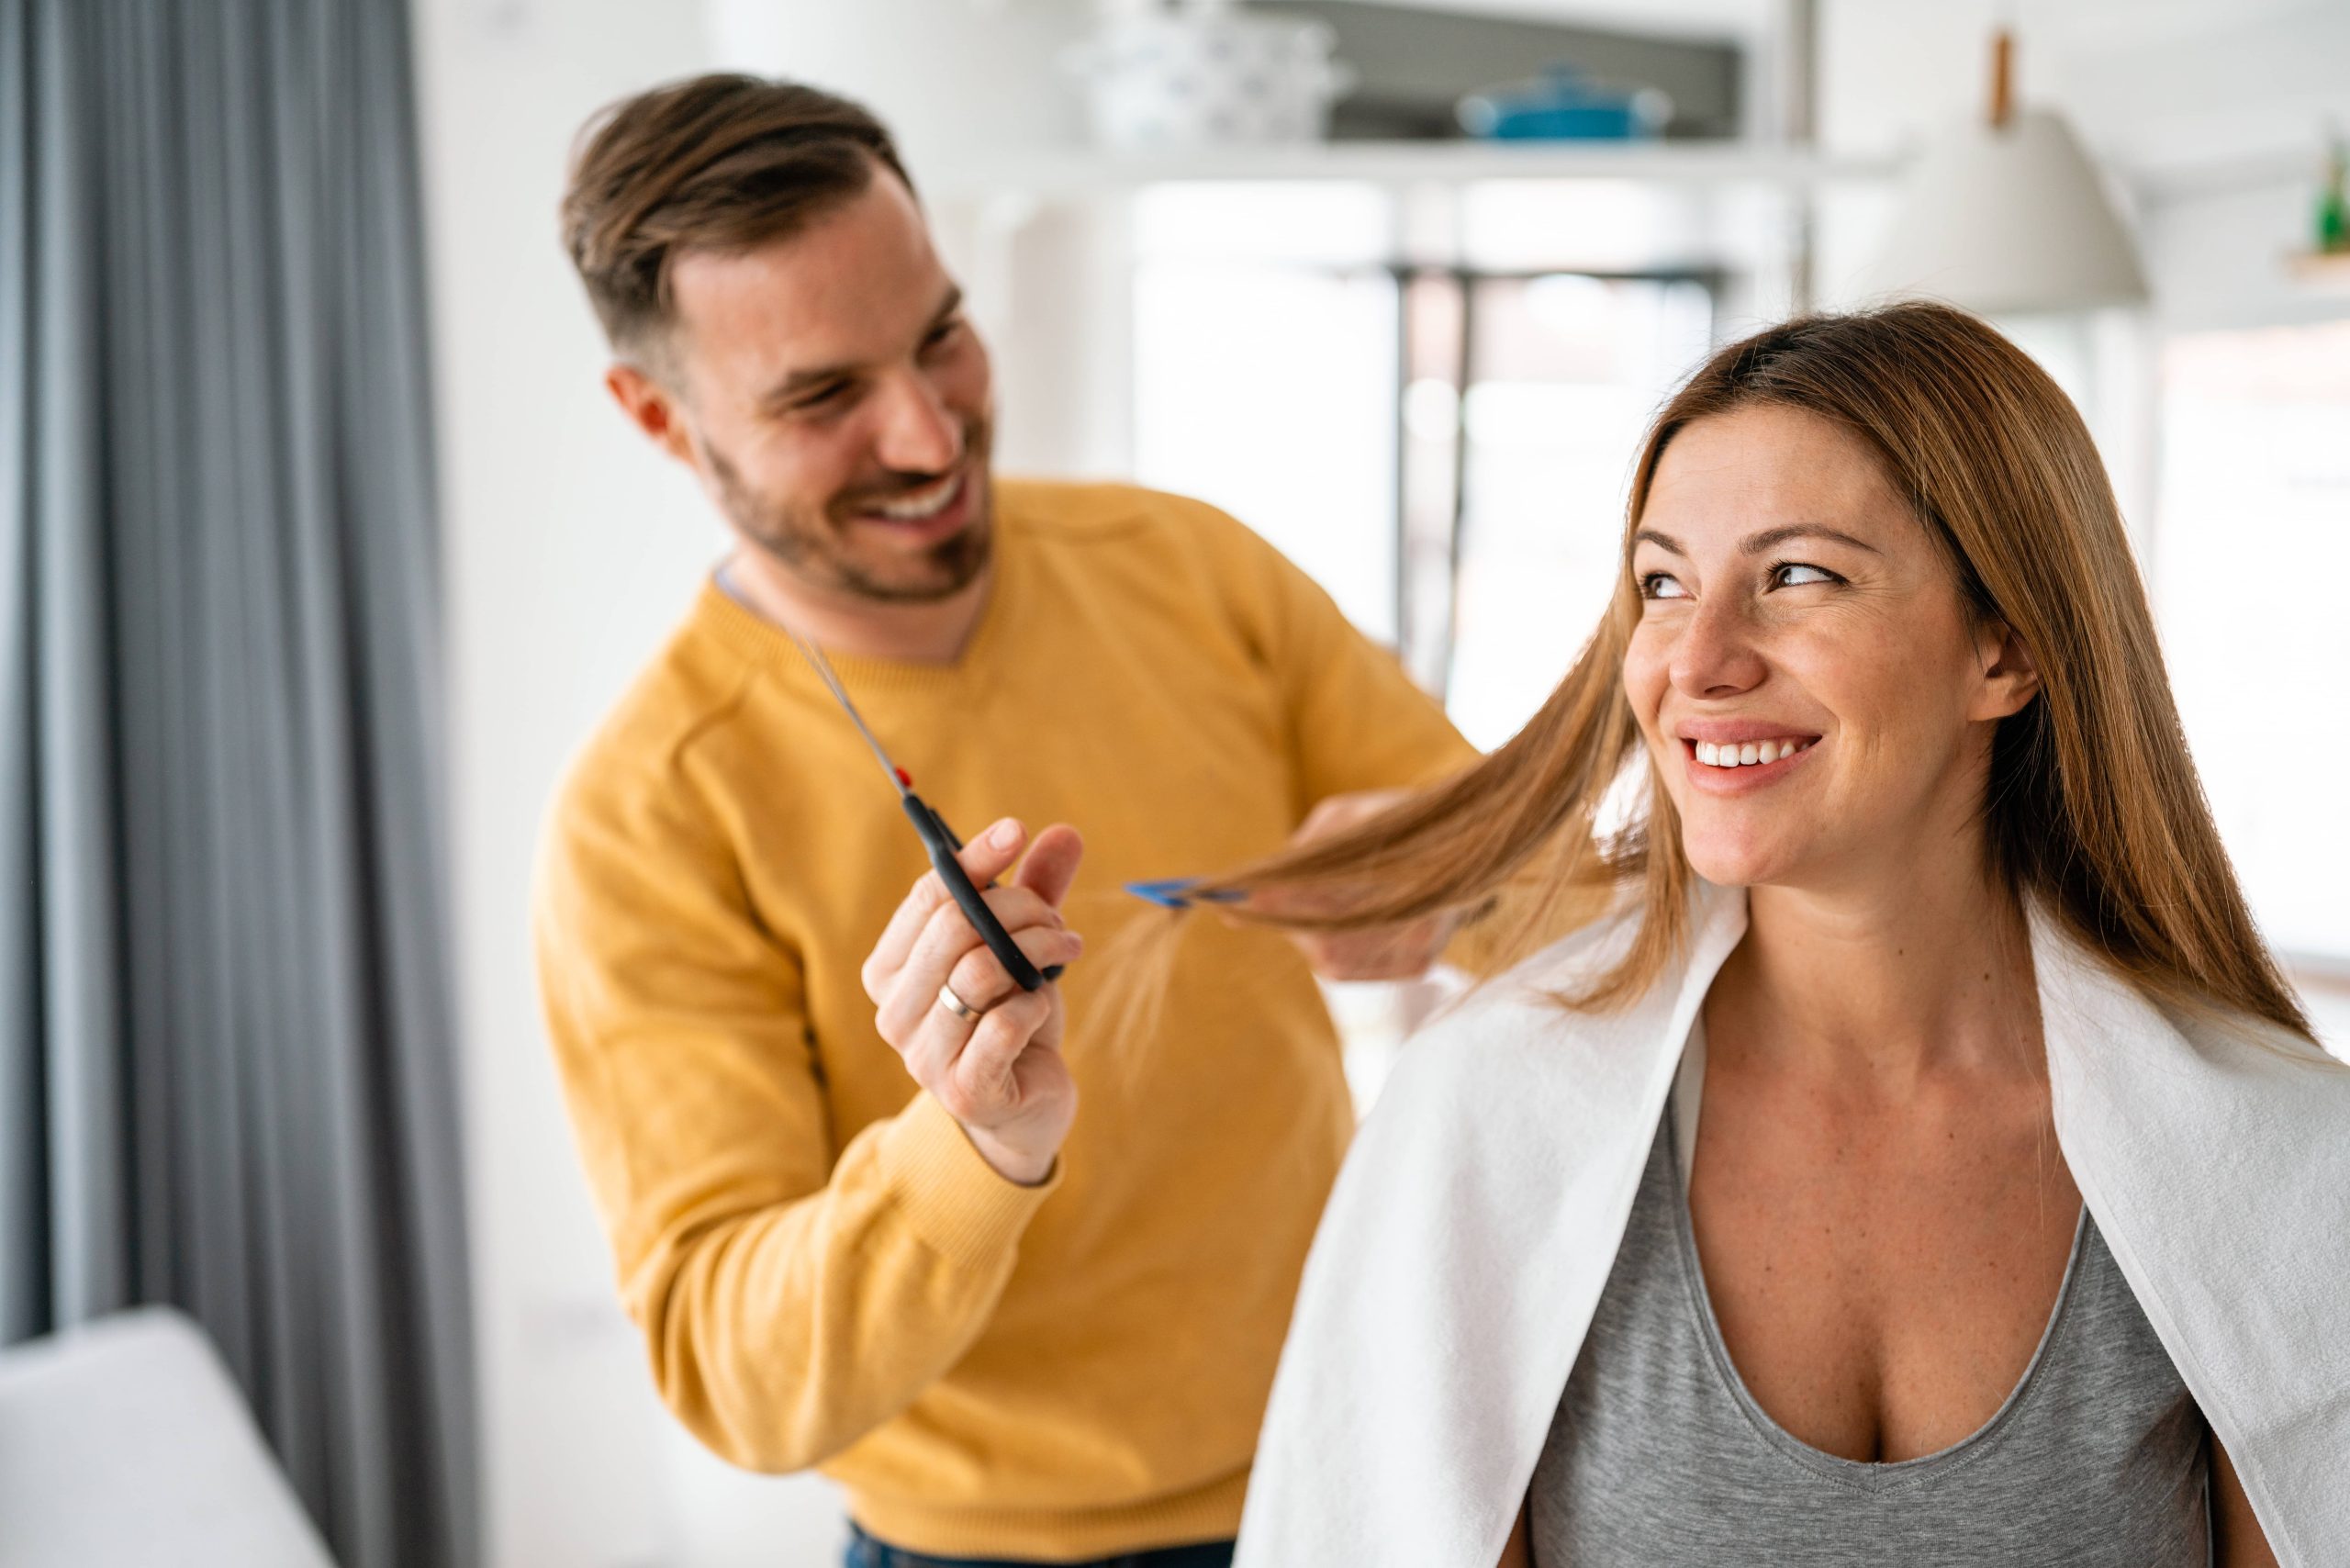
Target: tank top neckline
1864	1474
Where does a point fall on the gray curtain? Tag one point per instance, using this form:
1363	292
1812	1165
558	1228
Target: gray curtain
227	1063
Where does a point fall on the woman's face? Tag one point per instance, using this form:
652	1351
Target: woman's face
1817	700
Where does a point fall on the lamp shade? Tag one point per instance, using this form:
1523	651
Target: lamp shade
2010	219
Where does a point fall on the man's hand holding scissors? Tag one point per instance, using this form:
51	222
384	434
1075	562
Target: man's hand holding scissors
987	1051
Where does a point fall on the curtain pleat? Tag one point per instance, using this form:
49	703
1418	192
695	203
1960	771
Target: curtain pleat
227	1052
25	1289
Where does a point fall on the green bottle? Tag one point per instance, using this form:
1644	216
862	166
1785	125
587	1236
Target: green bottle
2332	205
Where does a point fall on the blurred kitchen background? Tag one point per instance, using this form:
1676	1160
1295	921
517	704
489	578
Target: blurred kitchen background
1397	283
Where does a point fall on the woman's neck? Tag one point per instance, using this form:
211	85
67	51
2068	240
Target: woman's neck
1928	971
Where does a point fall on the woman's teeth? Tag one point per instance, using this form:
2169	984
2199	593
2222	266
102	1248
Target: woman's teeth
1749	753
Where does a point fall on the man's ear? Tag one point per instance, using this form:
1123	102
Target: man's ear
2010	677
652	407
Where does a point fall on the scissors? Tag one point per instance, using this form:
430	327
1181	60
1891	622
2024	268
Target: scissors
1177	892
936	836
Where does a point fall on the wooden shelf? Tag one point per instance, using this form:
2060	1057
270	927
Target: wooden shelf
2325	270
1083	173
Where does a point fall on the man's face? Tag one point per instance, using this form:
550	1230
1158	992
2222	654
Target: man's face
835	401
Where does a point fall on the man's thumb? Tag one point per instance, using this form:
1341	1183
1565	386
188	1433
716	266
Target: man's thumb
1051	865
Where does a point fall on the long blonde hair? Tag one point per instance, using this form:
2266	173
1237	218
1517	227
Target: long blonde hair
2091	807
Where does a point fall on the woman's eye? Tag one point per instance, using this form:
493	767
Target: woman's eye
1795	574
943	333
1662	585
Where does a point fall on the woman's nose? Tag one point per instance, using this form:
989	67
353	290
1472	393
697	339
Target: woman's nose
919	434
1716	655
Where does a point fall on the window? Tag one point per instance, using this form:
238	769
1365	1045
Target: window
1444	446
1265	370
1565	373
2250	557
1443	441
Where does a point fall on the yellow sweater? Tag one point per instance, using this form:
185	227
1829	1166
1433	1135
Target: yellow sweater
826	1274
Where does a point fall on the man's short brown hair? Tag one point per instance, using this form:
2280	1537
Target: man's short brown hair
718	162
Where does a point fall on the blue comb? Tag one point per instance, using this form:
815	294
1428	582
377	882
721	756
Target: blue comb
1175	892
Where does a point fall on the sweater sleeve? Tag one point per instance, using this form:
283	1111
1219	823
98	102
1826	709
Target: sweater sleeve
1356	720
793	1294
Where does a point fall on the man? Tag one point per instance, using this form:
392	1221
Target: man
1012	1328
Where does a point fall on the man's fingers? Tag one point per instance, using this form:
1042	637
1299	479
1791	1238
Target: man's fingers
889	954
980	1076
1326	817
984	858
1334	813
1391	952
991	855
979	980
1051	865
943	940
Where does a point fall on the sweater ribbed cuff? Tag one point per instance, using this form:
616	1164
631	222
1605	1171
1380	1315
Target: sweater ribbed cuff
954	1199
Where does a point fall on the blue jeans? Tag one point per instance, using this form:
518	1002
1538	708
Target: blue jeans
864	1552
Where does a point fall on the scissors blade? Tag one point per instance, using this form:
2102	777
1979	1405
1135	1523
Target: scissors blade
824	672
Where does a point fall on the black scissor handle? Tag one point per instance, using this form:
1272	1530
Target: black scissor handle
940	840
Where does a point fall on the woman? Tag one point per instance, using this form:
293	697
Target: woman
2011	1229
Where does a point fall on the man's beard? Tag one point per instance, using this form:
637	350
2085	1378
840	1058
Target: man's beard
819	548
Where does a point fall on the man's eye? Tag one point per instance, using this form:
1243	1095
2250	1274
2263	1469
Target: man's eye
1662	585
1798	574
943	332
823	397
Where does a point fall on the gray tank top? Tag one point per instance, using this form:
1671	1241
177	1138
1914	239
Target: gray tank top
1659	1455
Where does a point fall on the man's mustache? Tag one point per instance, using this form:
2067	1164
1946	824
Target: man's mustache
896	485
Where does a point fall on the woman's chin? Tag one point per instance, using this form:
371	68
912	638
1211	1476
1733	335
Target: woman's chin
1738	863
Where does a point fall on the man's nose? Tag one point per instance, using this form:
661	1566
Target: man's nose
920	434
1716	655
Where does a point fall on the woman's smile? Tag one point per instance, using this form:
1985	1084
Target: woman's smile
1727	766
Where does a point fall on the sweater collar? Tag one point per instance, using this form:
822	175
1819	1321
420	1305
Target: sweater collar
753	636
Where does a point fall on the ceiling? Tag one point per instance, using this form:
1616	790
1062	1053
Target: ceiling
1713	19
2070	23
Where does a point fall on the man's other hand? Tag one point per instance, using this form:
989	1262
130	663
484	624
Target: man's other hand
1382	953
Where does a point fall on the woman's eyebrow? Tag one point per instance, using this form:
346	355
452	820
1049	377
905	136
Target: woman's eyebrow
1771	538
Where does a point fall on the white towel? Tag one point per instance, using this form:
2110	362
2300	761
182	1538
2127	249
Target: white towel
1477	1217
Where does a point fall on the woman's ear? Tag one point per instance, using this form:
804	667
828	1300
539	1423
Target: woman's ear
2011	678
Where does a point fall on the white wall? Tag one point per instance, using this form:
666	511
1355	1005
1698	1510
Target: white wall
569	550
954	78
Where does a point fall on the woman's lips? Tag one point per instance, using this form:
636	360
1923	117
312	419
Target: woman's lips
1785	752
